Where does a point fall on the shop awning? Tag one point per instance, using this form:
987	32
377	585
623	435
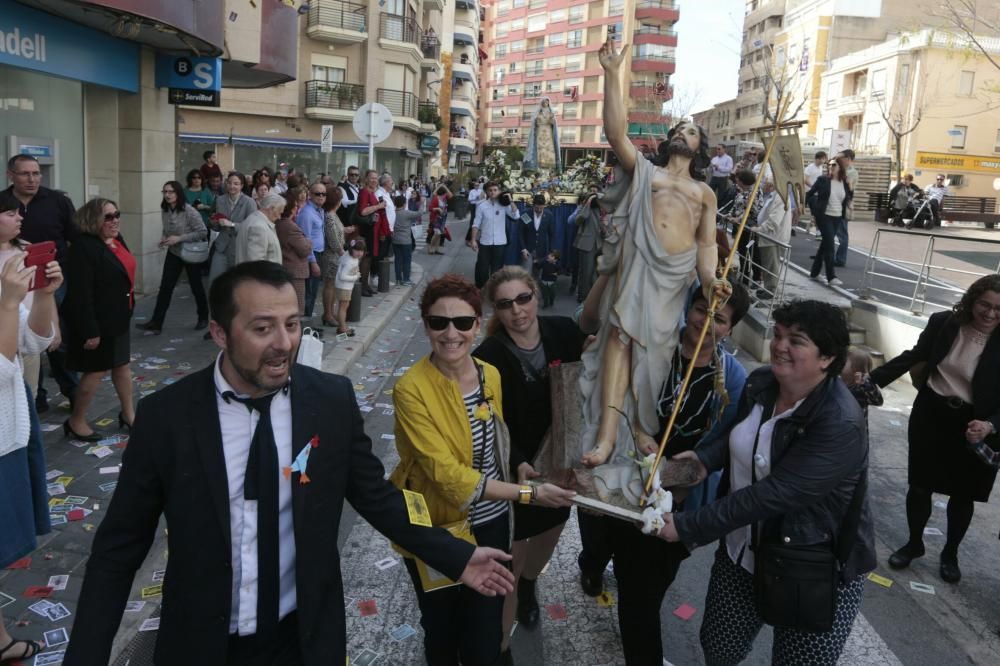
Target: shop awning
462	74
456	148
195	137
459	111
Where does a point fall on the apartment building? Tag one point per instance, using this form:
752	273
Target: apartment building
794	41
540	48
931	75
417	58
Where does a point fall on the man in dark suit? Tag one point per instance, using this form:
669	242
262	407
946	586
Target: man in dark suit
250	460
538	233
350	186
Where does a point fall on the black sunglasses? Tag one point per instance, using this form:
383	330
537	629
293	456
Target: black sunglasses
437	323
508	303
318	194
112	216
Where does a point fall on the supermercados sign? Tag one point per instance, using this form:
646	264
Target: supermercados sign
30	39
949	161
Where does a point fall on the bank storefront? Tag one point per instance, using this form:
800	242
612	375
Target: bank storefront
48	68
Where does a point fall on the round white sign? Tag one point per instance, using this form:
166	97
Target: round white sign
373	122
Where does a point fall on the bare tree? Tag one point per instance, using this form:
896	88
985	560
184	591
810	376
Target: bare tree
899	124
972	20
777	86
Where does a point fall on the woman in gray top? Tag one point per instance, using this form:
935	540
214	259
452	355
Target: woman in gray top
402	239
181	224
230	210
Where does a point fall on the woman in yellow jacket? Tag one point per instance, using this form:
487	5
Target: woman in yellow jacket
453	450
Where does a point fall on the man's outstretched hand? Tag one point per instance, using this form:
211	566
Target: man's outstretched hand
486	575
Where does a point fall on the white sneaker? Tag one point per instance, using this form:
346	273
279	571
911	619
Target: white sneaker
818	278
835	282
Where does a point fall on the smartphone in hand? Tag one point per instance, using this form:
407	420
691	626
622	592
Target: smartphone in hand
39	255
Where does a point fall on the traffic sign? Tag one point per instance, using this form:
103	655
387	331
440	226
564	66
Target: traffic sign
326	139
373	124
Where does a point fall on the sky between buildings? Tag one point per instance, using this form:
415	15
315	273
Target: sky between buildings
708	53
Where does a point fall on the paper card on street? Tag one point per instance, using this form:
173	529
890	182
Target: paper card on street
55	637
388	412
102	451
556	611
367	607
37	591
417	509
53	474
50	658
922	587
402	632
57	519
49	427
685	611
134	606
61	508
58	582
152	591
5	600
114	469
76	499
365	408
55	489
76	514
57	612
40	607
108	487
366	657
932	531
23	563
150	624
880	580
104	422
388	436
605	599
158	575
386	563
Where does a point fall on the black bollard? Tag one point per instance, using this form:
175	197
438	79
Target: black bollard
383	275
354	309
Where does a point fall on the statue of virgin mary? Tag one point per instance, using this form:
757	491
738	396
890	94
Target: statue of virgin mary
542	152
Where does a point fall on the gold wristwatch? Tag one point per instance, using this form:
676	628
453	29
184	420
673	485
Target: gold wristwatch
525	494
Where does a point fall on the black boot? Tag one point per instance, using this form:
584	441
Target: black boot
527	603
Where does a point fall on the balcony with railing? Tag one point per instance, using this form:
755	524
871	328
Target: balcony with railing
663	64
654	34
401	33
466	36
333	100
657	10
644	89
403	106
337	22
429	117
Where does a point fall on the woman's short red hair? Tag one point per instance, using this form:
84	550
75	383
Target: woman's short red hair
451	285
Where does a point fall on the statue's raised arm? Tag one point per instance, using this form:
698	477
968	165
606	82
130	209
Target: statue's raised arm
615	113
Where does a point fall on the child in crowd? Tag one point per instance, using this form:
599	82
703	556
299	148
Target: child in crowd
347	274
550	273
855	375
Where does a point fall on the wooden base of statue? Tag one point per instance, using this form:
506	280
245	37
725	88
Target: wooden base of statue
558	459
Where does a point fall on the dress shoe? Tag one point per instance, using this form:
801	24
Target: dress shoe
902	557
950	573
92	437
150	327
367	291
122	423
202	324
527	603
506	658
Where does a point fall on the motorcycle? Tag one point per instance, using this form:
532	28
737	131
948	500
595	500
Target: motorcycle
916	209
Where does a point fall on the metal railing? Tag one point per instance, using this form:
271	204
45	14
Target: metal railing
399	103
654	30
764	284
655	4
334	95
654	58
400	28
930	276
337	14
534	50
431	48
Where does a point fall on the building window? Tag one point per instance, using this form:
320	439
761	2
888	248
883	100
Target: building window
328	74
513	67
616	7
570	111
517	45
574	39
554	63
996	143
574	63
878	83
517	24
514	91
501	50
831	93
519	3
578	14
966	83
557	16
557	38
536	4
872	132
535	68
502	29
536	22
496	114
615	31
503	8
958	133
904	79
567	135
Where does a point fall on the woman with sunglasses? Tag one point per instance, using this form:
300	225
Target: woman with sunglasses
181	224
955	366
522	346
828	200
97	309
198	195
455	453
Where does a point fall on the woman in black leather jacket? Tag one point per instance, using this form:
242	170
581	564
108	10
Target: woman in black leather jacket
791	464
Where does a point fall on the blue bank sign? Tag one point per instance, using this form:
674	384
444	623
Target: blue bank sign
34	40
189	72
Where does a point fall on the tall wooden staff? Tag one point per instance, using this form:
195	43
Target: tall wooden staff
716	301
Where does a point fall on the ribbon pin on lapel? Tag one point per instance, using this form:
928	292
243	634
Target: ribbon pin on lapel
301	461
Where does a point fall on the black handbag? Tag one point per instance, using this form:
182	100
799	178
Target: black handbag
362	222
795	586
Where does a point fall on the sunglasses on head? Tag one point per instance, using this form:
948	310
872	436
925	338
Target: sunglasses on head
438	323
112	216
508	303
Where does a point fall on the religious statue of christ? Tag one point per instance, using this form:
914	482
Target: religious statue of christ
662	233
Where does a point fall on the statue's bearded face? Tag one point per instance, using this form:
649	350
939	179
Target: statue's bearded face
685	141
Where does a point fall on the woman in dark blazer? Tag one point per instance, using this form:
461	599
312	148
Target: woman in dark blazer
296	249
828	200
98	307
516	334
956	368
